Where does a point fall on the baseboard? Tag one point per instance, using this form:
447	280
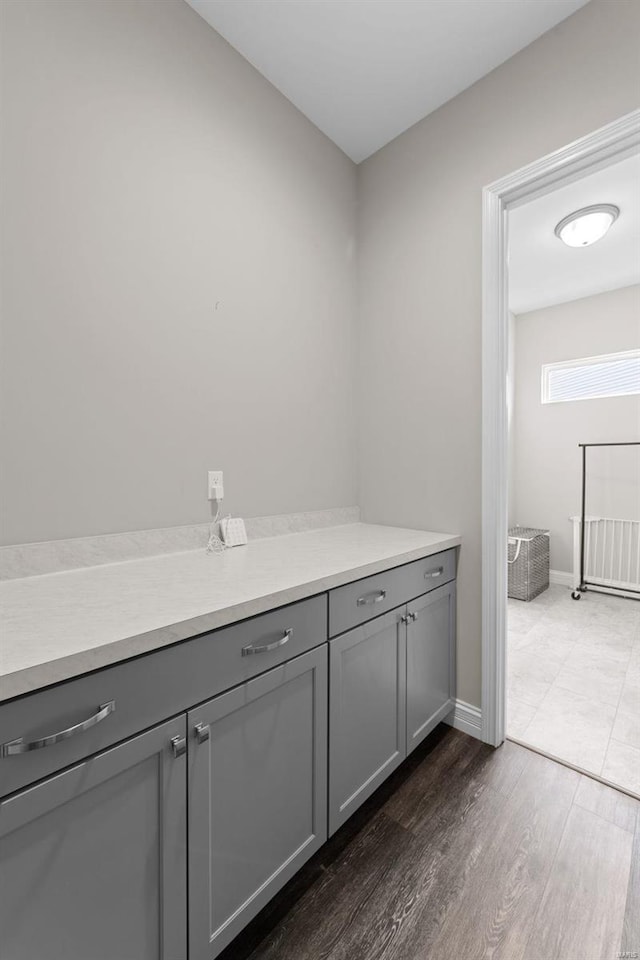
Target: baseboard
467	718
561	577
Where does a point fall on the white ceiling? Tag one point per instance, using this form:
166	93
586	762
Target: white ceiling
544	271
363	71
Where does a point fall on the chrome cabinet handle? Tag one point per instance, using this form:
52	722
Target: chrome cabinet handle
178	746
265	647
409	618
430	574
20	745
201	732
378	598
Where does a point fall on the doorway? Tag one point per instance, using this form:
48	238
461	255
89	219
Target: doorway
573	627
611	144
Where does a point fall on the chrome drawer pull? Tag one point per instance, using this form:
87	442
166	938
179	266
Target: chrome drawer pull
434	573
265	647
378	598
178	746
21	746
201	732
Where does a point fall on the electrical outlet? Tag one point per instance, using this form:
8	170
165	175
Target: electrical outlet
215	485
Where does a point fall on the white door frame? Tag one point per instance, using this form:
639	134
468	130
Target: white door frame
613	142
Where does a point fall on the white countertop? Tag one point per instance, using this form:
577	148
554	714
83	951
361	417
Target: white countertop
61	625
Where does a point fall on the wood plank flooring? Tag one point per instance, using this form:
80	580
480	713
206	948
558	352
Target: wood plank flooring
466	853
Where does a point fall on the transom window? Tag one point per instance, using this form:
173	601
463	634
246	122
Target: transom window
610	375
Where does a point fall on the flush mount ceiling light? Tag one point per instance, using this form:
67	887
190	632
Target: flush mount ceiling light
586	226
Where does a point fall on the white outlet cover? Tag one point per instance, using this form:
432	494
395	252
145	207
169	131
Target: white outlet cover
215	485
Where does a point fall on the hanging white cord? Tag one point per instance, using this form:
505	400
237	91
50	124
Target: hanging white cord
215	544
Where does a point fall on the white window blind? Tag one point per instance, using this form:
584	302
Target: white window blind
611	375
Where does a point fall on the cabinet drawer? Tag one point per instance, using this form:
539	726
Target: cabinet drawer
433	571
236	653
102	708
355	603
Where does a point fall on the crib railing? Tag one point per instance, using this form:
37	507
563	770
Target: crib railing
611	552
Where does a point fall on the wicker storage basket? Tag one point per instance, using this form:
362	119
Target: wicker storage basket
528	562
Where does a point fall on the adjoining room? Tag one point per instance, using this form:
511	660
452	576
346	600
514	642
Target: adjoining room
573	650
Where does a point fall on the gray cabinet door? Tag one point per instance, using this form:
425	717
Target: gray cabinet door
93	860
367	719
431	642
257	795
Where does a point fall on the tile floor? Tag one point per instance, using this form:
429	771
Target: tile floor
573	687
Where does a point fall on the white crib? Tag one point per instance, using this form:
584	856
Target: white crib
611	553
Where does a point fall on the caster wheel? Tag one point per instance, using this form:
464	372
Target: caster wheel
576	594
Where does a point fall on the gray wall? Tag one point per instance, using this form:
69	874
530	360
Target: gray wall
420	276
179	285
546	461
135	200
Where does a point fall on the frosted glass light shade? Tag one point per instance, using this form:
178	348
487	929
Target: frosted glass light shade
586	226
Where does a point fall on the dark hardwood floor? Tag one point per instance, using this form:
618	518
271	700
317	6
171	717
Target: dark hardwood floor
467	852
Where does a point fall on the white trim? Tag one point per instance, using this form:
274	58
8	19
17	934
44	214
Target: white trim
495	365
613	142
467	718
561	577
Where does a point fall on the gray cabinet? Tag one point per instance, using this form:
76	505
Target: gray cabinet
257	795
147	690
367	722
392	680
357	602
430	661
93	860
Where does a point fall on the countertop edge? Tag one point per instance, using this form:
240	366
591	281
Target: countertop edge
38	676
